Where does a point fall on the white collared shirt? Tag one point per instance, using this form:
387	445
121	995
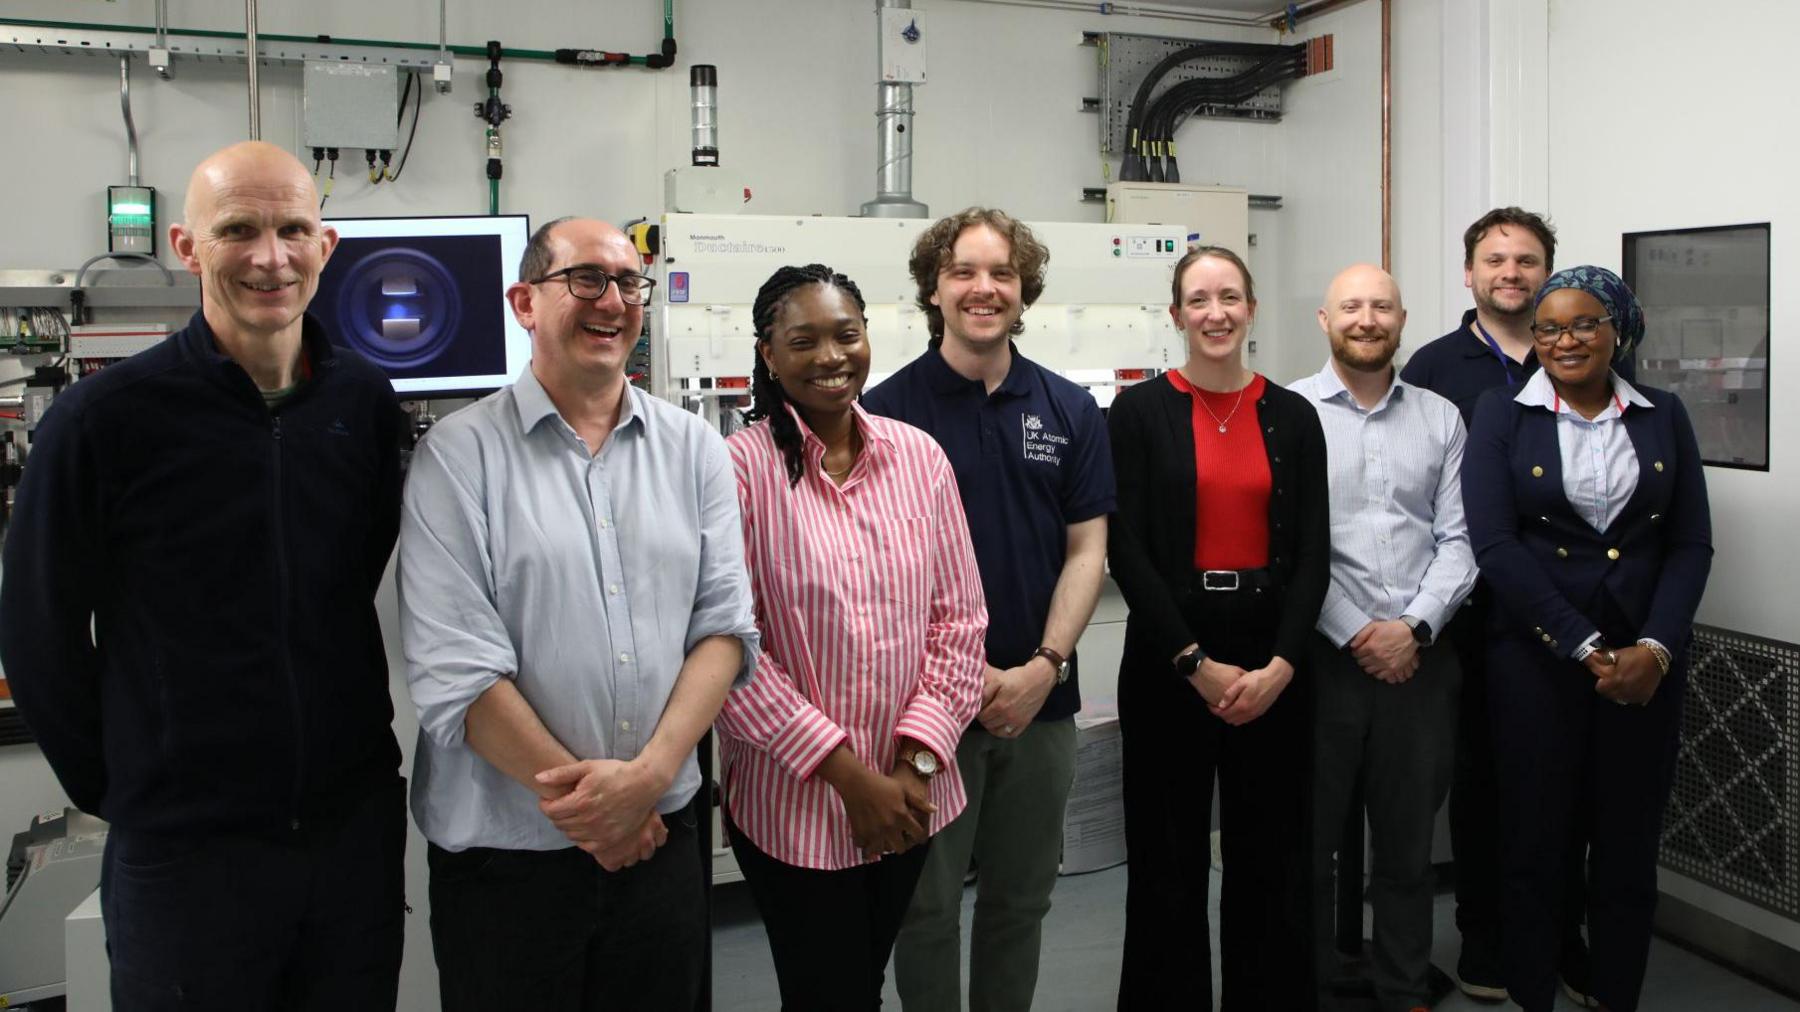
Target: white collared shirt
1599	463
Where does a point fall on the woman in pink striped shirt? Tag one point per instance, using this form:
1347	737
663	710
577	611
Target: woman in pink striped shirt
840	752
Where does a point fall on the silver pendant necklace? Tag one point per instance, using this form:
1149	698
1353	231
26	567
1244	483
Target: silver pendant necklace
1228	415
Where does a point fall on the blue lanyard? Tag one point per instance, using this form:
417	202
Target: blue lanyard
1506	363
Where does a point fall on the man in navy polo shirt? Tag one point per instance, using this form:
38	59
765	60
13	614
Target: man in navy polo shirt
1035	472
1507	254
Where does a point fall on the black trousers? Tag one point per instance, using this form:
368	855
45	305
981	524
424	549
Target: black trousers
311	919
1475	800
830	932
1567	753
1173	746
552	931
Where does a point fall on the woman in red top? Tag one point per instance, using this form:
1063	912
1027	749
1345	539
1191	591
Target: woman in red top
1221	547
840	751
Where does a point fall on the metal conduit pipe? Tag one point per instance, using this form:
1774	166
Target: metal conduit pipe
250	52
131	147
893	119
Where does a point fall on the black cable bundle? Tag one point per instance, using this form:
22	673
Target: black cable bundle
1150	127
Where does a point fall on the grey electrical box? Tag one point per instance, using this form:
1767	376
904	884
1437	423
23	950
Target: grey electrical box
350	105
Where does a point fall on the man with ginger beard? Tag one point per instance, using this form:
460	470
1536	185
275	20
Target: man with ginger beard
188	625
1386	694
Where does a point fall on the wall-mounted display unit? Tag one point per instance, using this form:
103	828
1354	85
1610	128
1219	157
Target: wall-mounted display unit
1705	293
425	299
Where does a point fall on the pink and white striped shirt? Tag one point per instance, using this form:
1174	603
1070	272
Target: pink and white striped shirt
872	618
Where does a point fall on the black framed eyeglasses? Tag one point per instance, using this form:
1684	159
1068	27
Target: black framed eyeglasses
1583	329
588	283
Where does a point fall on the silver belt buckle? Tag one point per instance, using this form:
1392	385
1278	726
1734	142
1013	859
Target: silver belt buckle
1207	577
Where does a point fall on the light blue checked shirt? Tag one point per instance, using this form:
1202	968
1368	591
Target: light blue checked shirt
584	578
1399	543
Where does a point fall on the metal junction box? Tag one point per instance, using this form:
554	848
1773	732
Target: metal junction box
350	105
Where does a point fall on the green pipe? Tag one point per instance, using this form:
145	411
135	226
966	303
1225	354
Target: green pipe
493	196
668	19
199	33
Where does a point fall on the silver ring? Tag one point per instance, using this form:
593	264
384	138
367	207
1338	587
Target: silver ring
1008	729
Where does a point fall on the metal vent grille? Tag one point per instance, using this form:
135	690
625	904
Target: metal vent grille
1733	815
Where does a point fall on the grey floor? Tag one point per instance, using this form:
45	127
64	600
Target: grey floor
1080	966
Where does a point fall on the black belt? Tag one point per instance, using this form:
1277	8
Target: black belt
1230	580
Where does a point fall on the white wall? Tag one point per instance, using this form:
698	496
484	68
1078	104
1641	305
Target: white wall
999	123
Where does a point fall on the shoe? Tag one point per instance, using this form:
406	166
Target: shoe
1576	973
1478	972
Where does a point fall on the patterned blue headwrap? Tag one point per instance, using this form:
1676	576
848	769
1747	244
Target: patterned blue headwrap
1613	293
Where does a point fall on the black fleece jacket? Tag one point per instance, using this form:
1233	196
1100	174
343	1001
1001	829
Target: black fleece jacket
187	618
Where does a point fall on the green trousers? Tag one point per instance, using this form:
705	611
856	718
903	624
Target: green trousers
1013	828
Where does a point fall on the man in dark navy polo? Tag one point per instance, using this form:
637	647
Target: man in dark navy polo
1507	254
1035	472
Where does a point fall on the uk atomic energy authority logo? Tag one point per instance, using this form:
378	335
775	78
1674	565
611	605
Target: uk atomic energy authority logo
1040	444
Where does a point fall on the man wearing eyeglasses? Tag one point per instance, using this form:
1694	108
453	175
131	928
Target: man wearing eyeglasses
574	608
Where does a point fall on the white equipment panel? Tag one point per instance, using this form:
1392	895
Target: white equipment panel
1212	215
1105	305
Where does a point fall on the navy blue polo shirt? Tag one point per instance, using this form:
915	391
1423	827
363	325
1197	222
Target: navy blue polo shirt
1460	367
1031	458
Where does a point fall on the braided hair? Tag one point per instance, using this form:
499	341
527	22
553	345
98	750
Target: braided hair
767	398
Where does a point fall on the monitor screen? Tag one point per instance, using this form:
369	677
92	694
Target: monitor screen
425	299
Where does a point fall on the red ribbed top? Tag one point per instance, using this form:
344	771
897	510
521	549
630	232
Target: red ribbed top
1232	483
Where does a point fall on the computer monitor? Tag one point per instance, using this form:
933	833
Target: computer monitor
425	299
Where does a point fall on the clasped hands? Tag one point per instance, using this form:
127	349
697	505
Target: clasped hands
889	813
1386	651
1627	675
607	808
1237	696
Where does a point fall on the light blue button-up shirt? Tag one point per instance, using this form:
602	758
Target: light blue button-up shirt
586	578
1399	542
1599	463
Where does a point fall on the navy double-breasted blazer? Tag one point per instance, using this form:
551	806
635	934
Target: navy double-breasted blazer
1556	579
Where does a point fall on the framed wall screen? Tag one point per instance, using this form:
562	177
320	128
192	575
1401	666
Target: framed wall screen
1706	311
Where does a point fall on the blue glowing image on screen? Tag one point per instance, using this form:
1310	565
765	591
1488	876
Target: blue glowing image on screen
424	299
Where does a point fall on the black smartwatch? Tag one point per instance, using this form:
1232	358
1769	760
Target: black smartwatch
1421	630
1188	663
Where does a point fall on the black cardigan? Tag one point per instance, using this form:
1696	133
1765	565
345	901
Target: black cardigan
1151	538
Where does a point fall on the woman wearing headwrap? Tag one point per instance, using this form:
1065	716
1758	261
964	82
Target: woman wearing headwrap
1587	510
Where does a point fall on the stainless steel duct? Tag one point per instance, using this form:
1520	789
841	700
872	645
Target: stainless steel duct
250	51
893	119
131	147
703	86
